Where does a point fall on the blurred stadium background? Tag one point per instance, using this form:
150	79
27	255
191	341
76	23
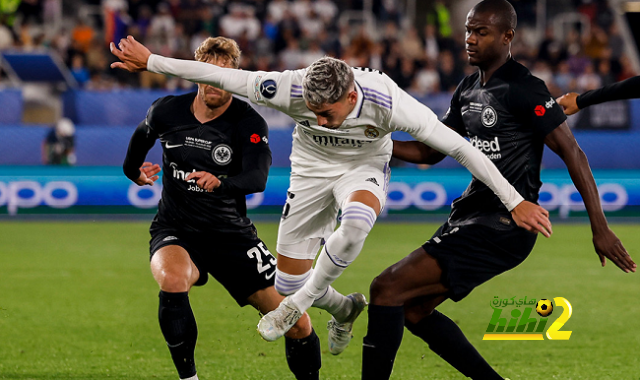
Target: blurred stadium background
55	74
55	66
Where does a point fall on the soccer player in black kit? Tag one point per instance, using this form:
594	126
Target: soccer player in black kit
215	152
509	115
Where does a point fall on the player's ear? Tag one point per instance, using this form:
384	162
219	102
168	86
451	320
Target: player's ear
508	36
353	97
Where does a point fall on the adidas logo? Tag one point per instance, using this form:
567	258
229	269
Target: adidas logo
305	123
372	180
169	238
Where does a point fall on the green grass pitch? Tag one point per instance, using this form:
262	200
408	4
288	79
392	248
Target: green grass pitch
77	301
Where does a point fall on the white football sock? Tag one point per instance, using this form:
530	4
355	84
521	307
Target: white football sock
339	252
331	301
287	284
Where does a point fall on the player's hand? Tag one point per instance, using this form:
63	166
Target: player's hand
133	54
206	181
148	174
569	103
532	218
608	246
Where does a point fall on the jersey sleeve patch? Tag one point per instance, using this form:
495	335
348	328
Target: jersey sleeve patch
268	89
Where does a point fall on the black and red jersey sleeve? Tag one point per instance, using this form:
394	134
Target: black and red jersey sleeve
253	138
142	140
535	106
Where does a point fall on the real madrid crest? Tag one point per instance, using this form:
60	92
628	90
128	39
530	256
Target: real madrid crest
489	117
371	132
221	154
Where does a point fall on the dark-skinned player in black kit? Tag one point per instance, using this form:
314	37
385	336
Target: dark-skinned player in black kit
509	115
215	152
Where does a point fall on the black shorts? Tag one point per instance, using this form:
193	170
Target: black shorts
242	264
472	254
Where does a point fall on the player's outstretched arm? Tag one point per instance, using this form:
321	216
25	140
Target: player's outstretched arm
606	243
626	89
416	152
136	57
422	124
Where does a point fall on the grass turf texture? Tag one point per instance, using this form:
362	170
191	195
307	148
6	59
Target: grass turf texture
77	301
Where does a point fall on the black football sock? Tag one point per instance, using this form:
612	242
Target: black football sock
303	356
380	346
179	328
446	339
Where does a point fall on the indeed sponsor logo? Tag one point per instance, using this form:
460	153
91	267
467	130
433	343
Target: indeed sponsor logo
491	148
181	174
338	141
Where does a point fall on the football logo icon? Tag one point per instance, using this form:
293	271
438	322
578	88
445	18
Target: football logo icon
544	307
268	88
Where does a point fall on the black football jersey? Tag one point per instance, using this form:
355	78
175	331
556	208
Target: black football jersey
233	147
507	119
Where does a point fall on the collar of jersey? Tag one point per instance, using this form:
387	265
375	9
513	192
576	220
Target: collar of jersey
355	113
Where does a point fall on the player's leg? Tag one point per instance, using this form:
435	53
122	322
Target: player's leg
293	273
359	212
175	273
362	195
301	342
416	276
309	216
246	268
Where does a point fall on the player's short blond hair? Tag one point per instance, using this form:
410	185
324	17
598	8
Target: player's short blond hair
219	48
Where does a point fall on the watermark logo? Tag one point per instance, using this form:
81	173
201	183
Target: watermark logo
522	323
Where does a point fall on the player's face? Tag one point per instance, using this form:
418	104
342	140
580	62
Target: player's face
211	96
484	39
333	115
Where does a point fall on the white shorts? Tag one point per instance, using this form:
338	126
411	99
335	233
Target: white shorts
311	211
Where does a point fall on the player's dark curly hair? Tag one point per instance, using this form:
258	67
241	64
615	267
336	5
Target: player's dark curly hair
504	12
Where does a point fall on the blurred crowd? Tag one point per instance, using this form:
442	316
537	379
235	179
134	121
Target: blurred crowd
425	58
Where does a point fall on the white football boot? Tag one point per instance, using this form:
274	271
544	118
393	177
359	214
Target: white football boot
340	332
277	322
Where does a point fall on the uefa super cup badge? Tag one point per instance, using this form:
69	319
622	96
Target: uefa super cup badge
371	132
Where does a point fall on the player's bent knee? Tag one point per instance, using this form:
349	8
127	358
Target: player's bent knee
173	282
384	289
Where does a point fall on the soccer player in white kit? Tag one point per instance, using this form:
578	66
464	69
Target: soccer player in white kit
339	162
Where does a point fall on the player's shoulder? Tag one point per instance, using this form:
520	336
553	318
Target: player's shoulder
378	89
373	79
240	109
468	81
167	105
520	78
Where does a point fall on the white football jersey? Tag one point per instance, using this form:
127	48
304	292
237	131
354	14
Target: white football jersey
365	136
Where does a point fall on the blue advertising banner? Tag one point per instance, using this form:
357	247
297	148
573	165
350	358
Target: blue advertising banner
105	190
